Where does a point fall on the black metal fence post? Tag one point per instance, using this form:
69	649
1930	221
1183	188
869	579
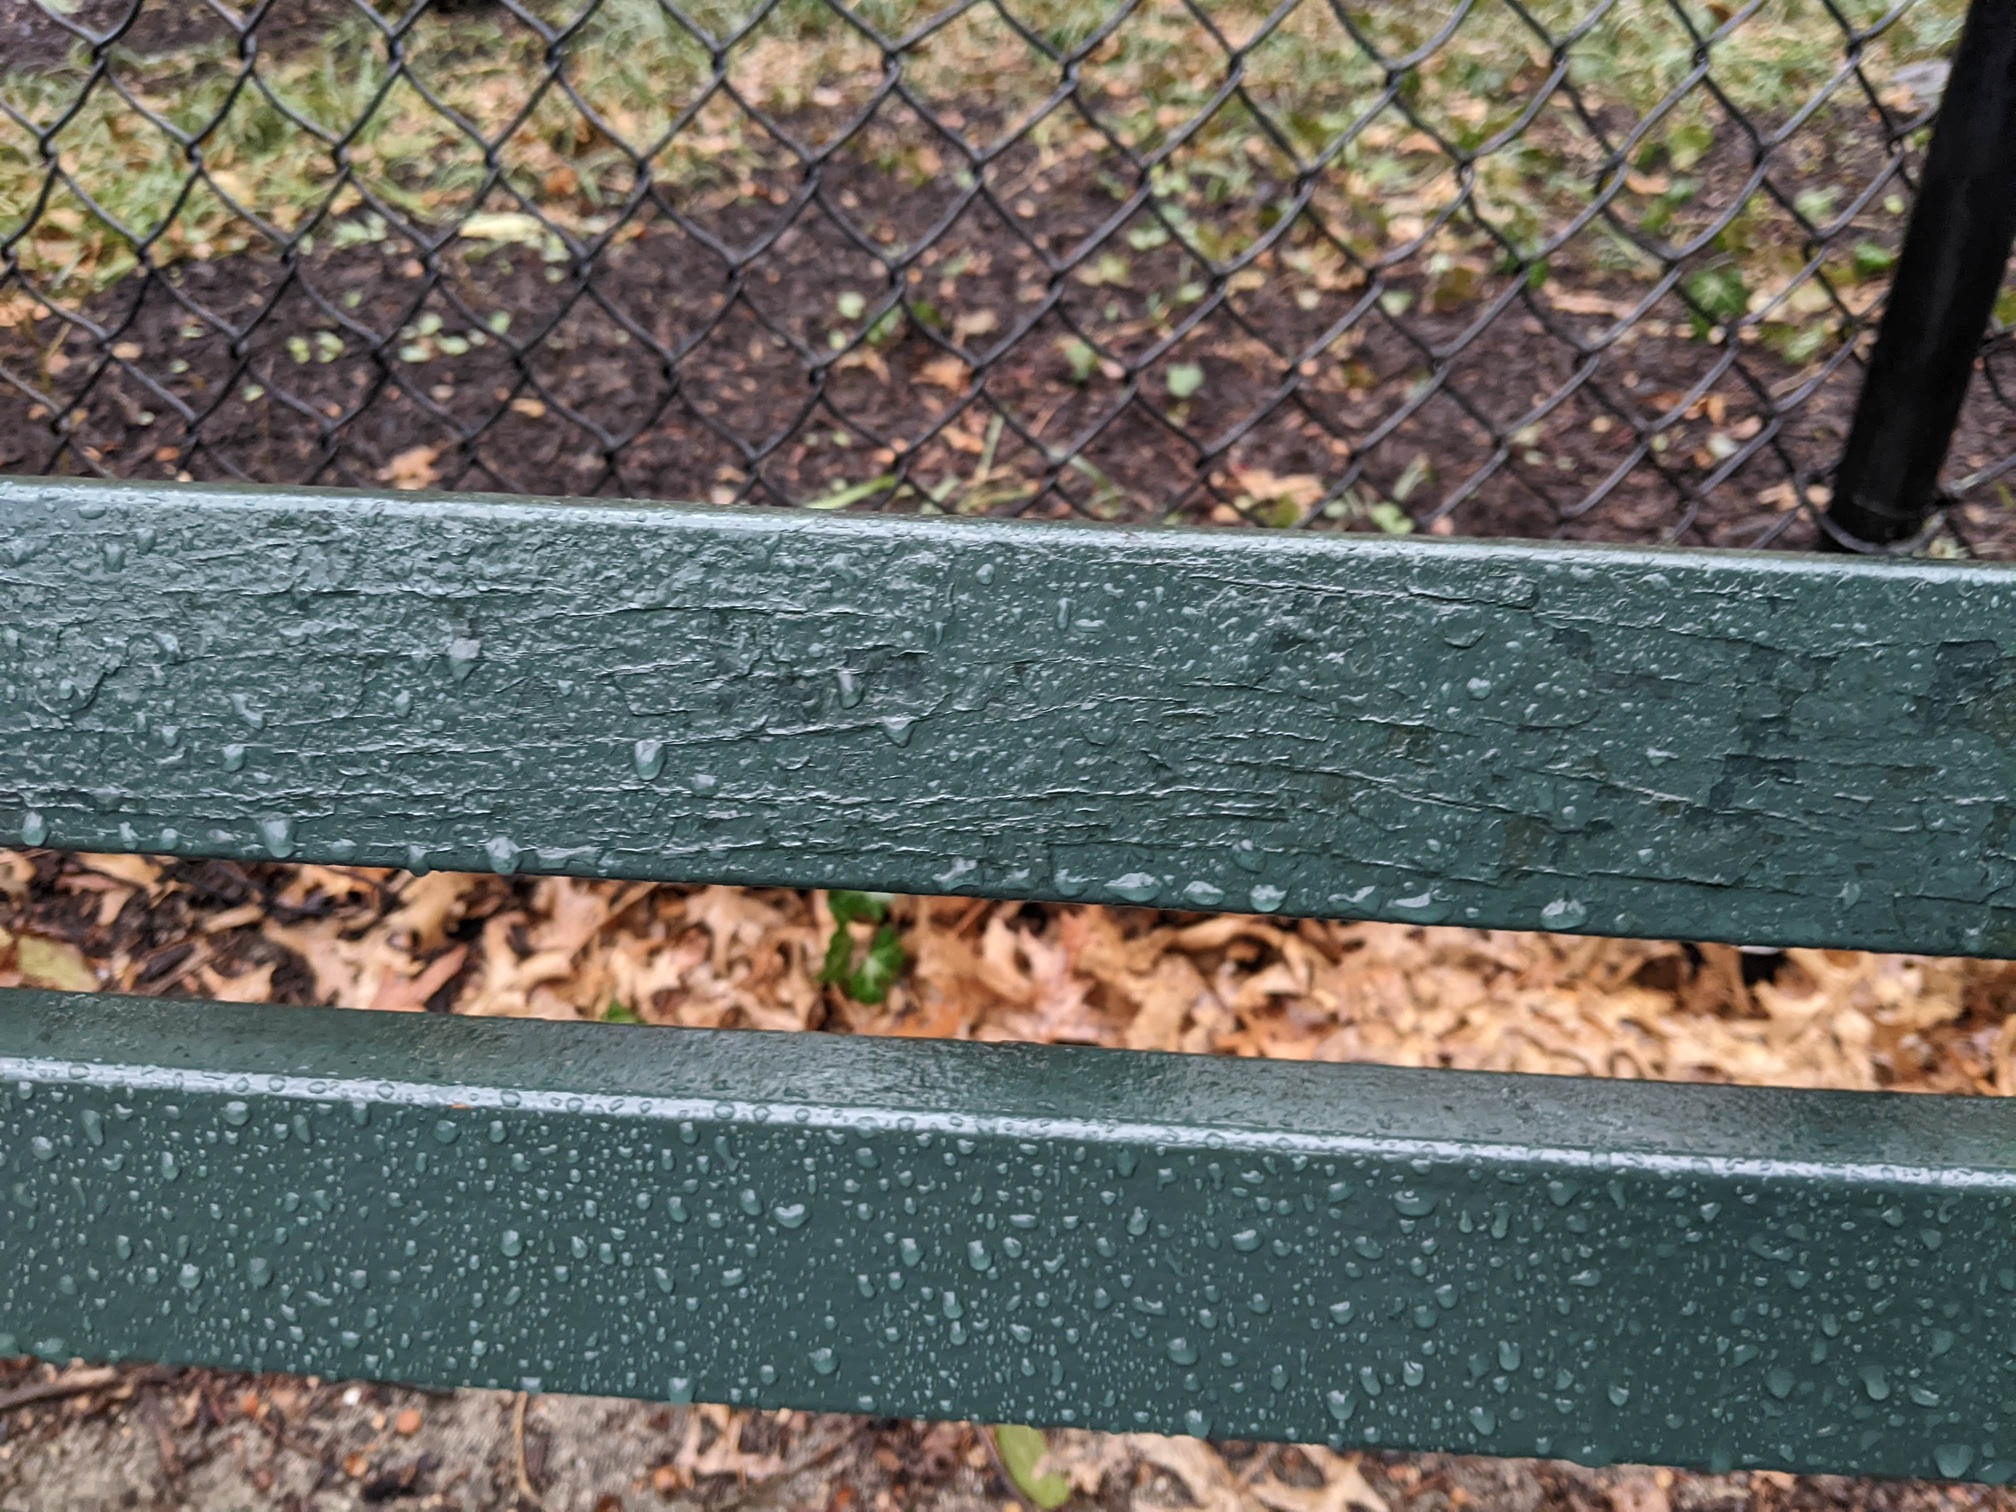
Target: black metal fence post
1955	251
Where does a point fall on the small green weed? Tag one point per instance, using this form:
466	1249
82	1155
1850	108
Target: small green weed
865	975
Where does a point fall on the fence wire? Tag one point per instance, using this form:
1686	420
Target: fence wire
1503	267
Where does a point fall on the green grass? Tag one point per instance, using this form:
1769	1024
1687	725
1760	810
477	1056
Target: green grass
1222	182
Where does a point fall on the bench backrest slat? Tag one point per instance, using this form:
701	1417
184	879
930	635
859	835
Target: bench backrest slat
1770	749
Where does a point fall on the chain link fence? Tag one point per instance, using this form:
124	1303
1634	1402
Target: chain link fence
1595	268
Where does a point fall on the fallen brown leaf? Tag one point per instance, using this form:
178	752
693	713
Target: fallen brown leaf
53	963
413	468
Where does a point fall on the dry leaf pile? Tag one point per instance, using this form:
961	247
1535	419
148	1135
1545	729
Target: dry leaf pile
716	957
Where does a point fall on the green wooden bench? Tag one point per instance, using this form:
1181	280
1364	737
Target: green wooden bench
1770	749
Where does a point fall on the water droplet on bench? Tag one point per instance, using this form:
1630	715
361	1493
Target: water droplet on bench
1563	913
463	650
1953	1459
1136	887
1266	898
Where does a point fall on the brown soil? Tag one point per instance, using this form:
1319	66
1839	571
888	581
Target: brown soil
677	372
40	34
204	1441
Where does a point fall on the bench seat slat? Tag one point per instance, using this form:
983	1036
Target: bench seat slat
1760	748
1352	1255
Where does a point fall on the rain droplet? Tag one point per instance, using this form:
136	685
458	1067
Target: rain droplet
648	757
34	828
279	837
1953	1459
1564	913
1422	907
1265	897
1136	886
463	650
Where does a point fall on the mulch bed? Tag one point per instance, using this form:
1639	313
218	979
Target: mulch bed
675	372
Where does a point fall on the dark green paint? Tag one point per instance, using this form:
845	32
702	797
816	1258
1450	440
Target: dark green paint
1767	748
1357	1255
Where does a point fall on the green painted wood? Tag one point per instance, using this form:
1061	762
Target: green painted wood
1355	1255
1765	748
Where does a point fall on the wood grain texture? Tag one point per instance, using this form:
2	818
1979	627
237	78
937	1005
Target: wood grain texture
1357	1255
1763	748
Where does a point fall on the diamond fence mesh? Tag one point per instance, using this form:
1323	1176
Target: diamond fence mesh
1503	267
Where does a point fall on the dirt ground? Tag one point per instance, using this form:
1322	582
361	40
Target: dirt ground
78	1437
201	373
878	334
202	1442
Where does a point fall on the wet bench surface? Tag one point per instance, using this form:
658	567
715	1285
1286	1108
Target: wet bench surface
1764	749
